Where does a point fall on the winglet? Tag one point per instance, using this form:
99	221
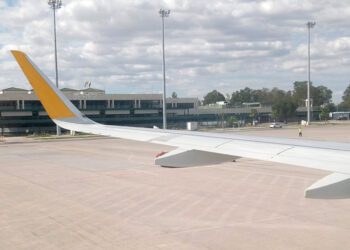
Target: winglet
55	103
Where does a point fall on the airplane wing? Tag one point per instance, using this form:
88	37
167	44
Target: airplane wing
202	148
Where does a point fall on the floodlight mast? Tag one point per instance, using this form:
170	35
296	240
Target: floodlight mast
309	25
55	4
164	13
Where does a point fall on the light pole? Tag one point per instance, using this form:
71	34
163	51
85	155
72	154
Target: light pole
164	13
309	25
55	4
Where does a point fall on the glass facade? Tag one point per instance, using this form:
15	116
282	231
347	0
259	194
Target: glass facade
185	105
22	113
124	104
8	105
76	103
150	104
96	104
33	105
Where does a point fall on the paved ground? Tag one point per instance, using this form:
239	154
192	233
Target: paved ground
108	194
318	131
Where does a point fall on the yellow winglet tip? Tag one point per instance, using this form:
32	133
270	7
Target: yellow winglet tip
17	52
52	102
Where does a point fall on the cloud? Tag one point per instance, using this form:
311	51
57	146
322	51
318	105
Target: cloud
225	45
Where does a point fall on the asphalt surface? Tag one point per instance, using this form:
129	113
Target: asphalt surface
102	193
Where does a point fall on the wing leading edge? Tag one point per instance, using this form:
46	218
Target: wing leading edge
200	148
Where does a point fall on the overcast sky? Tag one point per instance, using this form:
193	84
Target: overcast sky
223	45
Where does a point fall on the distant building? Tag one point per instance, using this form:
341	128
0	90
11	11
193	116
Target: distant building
221	103
21	111
251	104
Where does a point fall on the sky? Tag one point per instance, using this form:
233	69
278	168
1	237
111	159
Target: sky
223	45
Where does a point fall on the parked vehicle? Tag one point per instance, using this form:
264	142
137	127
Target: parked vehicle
341	118
275	125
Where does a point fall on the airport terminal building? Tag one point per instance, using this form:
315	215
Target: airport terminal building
22	113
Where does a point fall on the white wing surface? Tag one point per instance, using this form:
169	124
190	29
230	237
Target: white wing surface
201	148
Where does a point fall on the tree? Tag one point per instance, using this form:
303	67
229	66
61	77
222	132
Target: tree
231	121
346	95
300	92
213	97
243	95
320	95
346	99
324	114
323	94
263	96
174	95
284	109
253	113
276	95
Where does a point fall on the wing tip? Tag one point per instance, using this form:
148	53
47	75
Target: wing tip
17	52
54	102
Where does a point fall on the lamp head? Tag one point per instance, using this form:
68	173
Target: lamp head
164	13
310	24
55	4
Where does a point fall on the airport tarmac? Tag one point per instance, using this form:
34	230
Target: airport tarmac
103	193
